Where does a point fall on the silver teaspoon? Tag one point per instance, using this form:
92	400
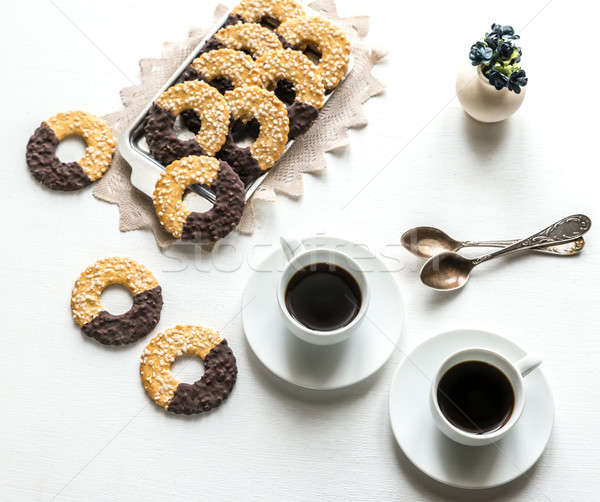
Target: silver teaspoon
430	241
450	271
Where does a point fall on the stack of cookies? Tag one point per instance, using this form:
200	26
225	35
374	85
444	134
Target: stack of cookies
263	76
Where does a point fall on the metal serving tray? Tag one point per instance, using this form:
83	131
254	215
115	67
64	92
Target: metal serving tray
145	170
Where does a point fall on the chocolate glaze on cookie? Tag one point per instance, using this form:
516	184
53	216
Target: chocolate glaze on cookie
188	74
240	158
285	91
221	84
164	144
301	115
47	168
125	328
232	19
222	218
269	22
191	120
212	44
220	374
283	41
189	117
252	102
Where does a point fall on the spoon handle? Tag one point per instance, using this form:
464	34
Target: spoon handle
567	249
564	230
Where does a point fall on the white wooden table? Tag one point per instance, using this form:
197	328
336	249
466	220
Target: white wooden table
75	420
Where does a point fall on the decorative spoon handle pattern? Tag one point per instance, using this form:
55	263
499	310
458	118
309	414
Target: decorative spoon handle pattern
564	230
568	248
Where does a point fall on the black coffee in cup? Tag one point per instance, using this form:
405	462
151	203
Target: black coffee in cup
476	397
323	297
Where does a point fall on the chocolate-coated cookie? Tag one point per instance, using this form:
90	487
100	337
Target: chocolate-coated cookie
50	171
324	39
296	81
103	326
213	115
188	225
220	369
270	114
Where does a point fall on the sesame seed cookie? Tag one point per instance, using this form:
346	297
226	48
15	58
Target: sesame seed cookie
296	81
269	13
224	69
326	39
228	67
220	369
183	223
270	116
206	102
56	175
111	329
251	38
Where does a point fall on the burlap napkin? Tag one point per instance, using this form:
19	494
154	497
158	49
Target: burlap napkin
330	131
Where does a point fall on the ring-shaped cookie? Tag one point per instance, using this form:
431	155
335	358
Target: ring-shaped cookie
183	223
224	69
255	104
56	175
103	326
296	81
220	369
268	13
325	38
206	102
251	38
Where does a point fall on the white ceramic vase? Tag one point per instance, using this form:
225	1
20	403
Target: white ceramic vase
481	100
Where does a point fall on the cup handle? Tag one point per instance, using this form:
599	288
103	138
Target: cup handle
291	247
527	364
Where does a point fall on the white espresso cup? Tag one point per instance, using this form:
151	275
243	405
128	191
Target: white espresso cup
300	257
514	372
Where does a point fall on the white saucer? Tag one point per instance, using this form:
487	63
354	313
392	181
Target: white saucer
323	367
443	459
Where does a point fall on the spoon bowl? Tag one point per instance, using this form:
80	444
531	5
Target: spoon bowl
428	241
446	271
